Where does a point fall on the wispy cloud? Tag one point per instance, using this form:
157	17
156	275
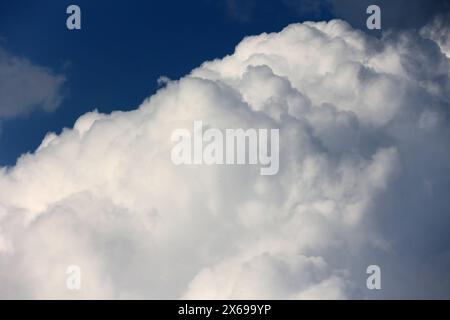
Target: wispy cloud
25	87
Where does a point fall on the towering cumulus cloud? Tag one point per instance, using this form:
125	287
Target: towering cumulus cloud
363	179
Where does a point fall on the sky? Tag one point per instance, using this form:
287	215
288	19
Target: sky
85	139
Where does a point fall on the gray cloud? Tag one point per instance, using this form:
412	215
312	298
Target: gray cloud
25	87
438	30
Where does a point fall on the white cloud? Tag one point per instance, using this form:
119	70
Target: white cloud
25	87
364	162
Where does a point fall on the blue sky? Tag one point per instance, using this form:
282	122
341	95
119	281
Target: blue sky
114	62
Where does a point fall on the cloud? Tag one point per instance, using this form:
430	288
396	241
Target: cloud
242	11
25	87
363	179
438	30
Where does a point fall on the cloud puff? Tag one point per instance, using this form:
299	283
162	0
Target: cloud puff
364	162
25	87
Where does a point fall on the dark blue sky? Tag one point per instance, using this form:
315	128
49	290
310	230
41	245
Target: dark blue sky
124	47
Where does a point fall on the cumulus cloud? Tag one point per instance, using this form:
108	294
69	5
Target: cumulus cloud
25	87
364	163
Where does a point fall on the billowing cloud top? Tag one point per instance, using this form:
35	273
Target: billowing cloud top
364	171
